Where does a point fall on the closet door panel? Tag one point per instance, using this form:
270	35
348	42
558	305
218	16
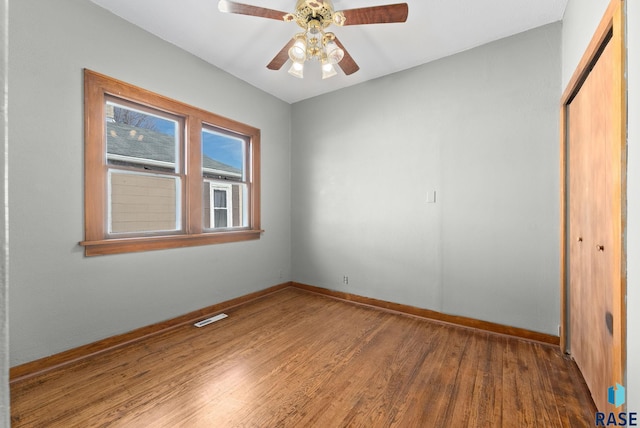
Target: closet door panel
591	273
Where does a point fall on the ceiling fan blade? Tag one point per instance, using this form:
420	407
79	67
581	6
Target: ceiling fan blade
281	57
377	14
247	9
347	64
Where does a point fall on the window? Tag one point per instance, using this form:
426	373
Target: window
162	174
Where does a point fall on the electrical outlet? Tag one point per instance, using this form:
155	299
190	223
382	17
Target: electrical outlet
345	279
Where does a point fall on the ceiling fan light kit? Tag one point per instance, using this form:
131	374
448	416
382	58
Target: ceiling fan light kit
313	16
315	44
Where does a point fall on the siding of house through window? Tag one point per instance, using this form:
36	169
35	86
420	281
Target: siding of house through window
142	202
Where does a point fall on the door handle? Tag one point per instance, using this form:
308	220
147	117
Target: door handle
600	247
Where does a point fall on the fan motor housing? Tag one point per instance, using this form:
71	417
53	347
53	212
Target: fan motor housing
308	10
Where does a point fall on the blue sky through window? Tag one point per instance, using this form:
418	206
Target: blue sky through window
225	149
220	147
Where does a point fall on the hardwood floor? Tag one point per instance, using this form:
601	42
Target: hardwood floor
298	359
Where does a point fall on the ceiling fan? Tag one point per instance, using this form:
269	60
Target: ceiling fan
314	16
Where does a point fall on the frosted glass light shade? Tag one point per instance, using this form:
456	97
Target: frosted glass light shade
334	53
297	70
298	52
328	70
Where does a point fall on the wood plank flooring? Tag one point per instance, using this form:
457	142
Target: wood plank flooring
298	359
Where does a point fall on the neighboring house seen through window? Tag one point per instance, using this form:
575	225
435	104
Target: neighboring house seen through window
147	158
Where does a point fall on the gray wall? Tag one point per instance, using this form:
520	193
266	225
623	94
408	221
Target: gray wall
581	18
580	22
4	285
481	129
60	299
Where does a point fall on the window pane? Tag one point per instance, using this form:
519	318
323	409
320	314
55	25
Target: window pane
220	198
221	218
141	140
223	156
143	202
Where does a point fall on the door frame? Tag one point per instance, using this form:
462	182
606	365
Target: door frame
610	30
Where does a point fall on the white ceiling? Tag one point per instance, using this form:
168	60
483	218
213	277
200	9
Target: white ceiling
243	45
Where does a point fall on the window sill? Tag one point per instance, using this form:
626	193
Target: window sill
147	243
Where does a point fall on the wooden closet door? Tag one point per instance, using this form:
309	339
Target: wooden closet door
592	165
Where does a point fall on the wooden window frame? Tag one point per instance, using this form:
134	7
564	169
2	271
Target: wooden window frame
97	88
